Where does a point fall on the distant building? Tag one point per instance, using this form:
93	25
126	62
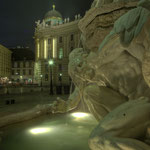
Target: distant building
5	64
22	65
55	38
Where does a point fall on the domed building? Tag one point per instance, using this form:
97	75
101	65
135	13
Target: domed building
55	38
53	17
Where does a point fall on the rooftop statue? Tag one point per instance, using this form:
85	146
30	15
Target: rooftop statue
38	23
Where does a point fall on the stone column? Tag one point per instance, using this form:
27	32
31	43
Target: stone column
45	48
42	49
37	49
54	53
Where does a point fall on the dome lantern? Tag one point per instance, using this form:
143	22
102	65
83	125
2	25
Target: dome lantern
53	17
53	7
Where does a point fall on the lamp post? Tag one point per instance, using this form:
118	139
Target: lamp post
60	79
41	79
51	62
21	77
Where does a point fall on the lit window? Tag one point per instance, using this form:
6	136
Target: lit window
60	53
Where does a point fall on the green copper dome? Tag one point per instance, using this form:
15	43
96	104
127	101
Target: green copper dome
53	16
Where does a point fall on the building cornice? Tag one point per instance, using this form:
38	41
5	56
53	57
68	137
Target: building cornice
59	29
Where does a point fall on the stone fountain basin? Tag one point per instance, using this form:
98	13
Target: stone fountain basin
50	132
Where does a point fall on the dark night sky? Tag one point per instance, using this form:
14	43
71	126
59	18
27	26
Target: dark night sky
18	17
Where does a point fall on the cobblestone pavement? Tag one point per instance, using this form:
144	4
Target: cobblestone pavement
25	101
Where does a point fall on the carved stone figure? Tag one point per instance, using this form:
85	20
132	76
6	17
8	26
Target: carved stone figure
43	24
125	128
112	76
37	23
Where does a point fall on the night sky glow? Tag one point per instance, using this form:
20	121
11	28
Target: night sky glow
18	17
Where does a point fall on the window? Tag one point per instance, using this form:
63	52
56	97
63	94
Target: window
24	72
46	77
18	64
49	23
71	48
60	78
13	72
72	37
18	72
24	64
60	53
60	67
49	41
30	72
30	64
60	39
46	67
13	65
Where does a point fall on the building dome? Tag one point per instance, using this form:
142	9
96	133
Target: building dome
52	13
53	17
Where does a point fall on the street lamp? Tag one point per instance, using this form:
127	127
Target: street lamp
41	79
51	62
21	77
60	80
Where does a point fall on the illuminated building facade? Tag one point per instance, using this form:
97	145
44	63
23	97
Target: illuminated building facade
5	64
22	66
55	38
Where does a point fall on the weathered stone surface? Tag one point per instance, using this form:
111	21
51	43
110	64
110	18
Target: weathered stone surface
113	66
110	78
26	115
99	21
121	129
146	67
1	135
120	63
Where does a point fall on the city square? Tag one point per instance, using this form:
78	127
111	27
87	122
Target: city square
75	75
